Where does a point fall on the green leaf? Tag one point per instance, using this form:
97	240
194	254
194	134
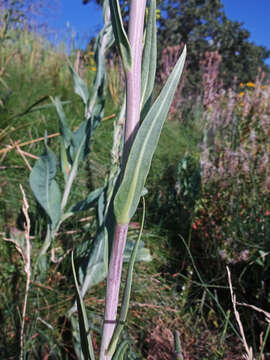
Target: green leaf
71	176
86	341
121	350
143	254
142	150
80	142
94	264
54	204
104	41
41	265
87	203
44	187
97	266
96	104
120	34
101	209
31	108
65	132
80	86
66	135
64	159
149	60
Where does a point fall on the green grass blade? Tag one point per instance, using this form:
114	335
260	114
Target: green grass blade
142	150
86	342
264	341
31	108
206	287
178	347
121	350
120	34
149	61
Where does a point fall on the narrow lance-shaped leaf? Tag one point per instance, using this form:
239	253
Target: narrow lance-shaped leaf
80	141
95	110
64	159
44	187
65	132
101	209
143	253
104	41
116	153
71	176
94	265
142	150
80	86
121	350
98	262
149	60
66	135
86	341
87	203
120	34
97	99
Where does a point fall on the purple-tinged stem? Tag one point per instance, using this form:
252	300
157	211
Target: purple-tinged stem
133	79
113	286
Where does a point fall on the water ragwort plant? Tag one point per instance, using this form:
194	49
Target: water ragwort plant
132	153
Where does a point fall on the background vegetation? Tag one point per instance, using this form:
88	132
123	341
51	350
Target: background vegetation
208	201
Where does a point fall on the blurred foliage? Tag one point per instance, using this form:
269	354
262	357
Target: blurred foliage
204	26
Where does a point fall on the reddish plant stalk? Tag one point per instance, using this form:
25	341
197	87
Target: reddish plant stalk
113	285
133	81
133	77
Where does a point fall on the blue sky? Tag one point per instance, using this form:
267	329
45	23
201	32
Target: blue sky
84	21
255	15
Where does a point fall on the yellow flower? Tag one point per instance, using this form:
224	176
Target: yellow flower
250	84
241	94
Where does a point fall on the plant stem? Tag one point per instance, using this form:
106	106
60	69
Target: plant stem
133	80
133	77
113	285
27	268
127	290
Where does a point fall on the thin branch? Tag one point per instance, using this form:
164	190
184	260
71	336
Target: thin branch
27	267
249	352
